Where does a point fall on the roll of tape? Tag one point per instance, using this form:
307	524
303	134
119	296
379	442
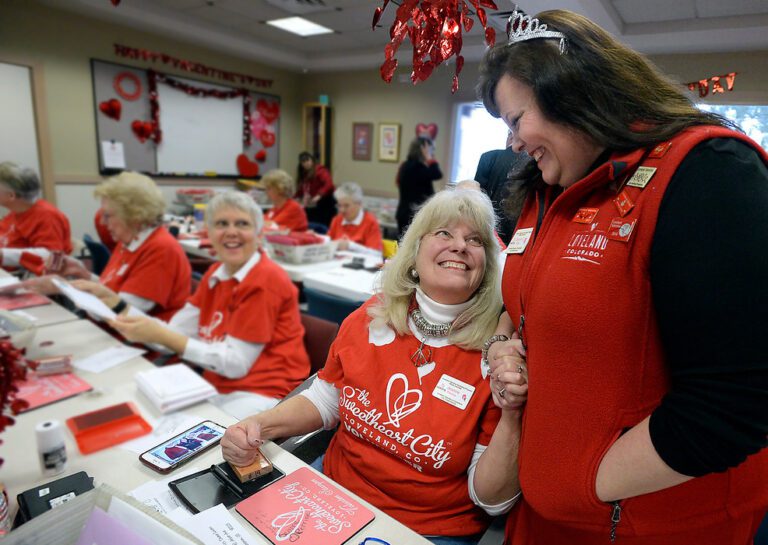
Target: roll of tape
51	446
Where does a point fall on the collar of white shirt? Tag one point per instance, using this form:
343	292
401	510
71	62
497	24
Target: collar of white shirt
357	221
221	274
143	235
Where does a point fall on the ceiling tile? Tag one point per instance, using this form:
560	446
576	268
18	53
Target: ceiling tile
647	11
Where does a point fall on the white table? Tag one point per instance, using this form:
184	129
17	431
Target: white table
116	466
45	315
353	284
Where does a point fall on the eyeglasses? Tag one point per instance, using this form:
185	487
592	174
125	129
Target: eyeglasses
369	540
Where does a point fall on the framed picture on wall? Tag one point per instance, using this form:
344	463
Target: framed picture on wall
389	142
362	140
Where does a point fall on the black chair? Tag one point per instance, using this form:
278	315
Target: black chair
100	254
319	334
318	228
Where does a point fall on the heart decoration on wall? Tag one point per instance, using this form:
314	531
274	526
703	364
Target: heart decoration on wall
143	129
247	168
269	110
267	138
261	155
422	129
112	108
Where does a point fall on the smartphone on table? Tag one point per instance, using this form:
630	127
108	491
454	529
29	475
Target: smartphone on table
181	448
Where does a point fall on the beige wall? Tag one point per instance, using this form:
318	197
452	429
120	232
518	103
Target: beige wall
63	43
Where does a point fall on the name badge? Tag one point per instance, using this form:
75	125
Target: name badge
453	391
519	241
641	177
122	269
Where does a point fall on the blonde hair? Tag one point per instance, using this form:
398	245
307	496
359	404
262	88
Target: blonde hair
136	198
473	326
280	180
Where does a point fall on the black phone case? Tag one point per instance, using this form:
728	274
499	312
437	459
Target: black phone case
203	490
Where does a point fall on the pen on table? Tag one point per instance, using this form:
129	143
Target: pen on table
226	481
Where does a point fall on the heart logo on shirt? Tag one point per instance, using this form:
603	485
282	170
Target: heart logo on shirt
401	401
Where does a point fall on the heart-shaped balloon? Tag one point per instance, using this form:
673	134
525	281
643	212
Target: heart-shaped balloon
261	155
247	168
422	129
143	129
111	108
267	138
269	110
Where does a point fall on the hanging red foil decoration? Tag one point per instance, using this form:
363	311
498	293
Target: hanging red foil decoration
434	28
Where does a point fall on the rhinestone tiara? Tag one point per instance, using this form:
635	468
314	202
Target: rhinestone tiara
522	27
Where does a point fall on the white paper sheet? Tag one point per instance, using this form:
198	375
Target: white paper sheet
162	430
216	526
108	358
27	315
158	496
113	154
85	301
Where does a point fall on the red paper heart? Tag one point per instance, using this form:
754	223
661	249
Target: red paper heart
268	110
111	108
246	167
426	130
267	138
143	129
261	155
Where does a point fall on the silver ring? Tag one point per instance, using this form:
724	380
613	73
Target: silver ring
520	369
502	392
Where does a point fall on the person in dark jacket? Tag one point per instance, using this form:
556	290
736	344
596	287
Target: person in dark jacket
414	180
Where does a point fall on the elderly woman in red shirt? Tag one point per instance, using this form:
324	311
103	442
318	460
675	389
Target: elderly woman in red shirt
356	229
285	212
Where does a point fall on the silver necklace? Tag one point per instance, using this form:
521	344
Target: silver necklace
423	356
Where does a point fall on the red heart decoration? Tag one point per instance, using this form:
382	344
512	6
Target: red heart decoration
267	138
246	167
268	110
426	130
143	129
111	108
261	155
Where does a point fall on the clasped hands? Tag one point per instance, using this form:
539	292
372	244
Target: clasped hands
508	373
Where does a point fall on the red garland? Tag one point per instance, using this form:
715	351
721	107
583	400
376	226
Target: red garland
154	104
435	33
189	66
717	87
13	369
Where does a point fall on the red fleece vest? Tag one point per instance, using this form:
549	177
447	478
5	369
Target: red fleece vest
597	365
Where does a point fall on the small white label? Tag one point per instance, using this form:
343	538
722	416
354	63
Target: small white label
122	269
519	241
43	492
453	391
641	177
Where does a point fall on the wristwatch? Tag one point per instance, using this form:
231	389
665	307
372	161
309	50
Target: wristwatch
486	346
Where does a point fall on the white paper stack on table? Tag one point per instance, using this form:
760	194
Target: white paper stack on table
173	387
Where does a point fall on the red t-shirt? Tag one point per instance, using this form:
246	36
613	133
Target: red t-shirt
291	216
42	226
157	270
264	309
321	183
398	446
367	233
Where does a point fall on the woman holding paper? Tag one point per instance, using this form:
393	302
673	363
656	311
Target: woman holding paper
420	435
148	268
242	326
356	229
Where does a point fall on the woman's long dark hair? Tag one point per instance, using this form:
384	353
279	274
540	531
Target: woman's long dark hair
302	174
599	87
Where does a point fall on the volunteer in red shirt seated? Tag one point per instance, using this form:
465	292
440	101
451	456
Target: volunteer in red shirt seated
356	229
420	436
148	268
285	212
242	325
32	224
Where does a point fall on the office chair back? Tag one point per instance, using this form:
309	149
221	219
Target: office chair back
100	254
318	228
318	337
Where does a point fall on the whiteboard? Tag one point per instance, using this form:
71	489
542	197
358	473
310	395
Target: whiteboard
200	135
18	139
